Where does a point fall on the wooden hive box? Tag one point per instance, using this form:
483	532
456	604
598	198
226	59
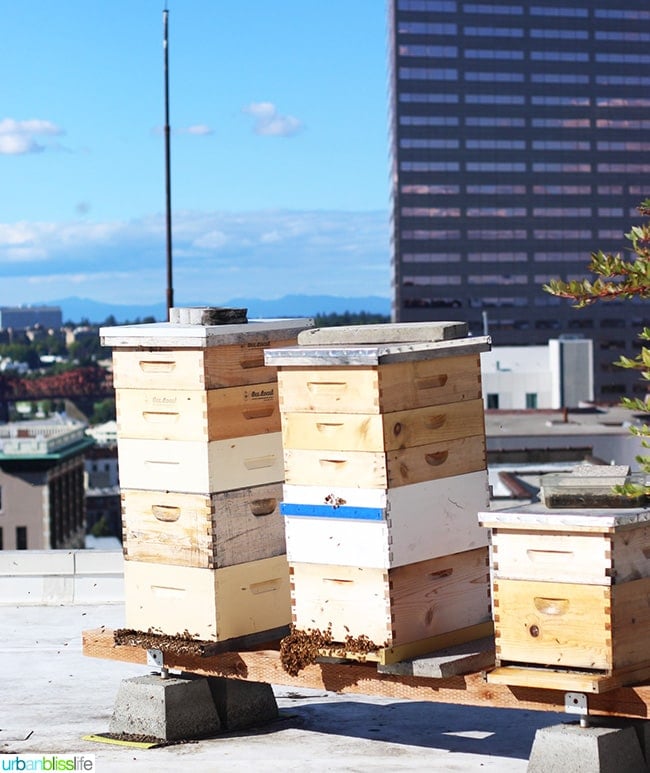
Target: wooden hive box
382	432
192	356
368	469
213	605
208	531
195	466
404	605
376	369
191	414
571	588
376	387
404	525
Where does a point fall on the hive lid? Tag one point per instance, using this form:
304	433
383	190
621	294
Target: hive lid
400	333
193	327
538	517
373	354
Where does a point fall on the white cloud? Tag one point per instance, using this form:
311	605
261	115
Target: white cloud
213	240
19	137
216	256
268	122
198	130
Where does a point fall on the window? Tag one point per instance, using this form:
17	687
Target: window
1	544
531	400
21	537
493	401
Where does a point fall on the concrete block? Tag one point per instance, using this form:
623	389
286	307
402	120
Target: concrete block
641	727
595	749
171	709
242	704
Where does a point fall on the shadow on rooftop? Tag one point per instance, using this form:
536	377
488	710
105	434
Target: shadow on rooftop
486	731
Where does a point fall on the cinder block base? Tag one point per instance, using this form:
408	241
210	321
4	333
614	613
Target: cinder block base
598	749
171	709
242	704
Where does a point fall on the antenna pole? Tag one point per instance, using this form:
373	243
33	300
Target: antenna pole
168	198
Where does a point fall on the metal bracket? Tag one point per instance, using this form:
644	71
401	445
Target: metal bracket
576	703
155	658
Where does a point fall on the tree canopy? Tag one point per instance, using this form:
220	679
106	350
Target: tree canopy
617	277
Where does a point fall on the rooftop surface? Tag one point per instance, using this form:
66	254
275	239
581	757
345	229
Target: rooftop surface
53	696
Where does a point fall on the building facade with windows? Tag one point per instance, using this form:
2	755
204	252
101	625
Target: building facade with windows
42	492
23	317
520	135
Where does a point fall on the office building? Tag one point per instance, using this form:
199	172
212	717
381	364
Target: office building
42	485
520	137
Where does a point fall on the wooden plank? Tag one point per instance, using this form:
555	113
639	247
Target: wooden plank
213	414
551	555
380	389
208	531
210	605
520	676
363	679
465	658
569	681
553	624
382	432
234	364
421	521
200	467
367	469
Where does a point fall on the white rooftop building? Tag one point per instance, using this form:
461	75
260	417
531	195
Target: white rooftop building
560	375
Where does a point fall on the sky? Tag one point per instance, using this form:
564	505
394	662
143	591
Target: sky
279	150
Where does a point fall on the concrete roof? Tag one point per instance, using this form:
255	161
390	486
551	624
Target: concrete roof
53	695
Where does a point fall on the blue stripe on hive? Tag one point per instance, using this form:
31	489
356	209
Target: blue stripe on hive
327	511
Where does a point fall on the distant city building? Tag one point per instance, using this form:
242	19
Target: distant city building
106	435
103	501
559	375
520	145
42	484
24	317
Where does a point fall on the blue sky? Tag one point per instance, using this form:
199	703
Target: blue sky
279	116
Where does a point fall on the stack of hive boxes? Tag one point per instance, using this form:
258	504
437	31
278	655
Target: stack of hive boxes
571	591
200	460
385	472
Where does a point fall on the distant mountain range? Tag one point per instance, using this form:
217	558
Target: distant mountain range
78	309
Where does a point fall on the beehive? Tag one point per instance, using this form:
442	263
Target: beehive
385	471
571	587
201	473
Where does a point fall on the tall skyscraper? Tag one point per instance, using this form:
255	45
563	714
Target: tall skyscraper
520	137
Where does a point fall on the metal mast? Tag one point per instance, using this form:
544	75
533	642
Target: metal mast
168	198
